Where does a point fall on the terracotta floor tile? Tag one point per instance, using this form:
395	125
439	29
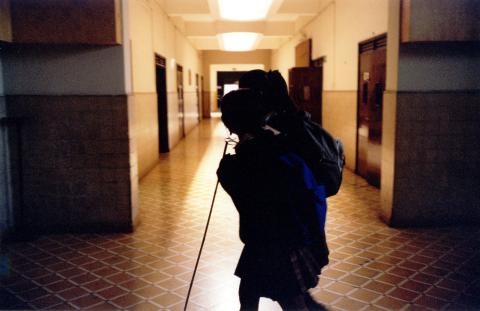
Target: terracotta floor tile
171	284
404	294
402	272
93	266
389	278
340	288
378	287
104	306
390	303
119	278
149	292
167	299
71	273
86	302
443	294
366	272
49	279
156	277
72	293
333	273
84	278
46	302
354	280
327	297
378	266
96	285
451	284
431	302
106	272
145	306
344	266
370	263
349	304
127	301
134	284
425	278
33	294
111	293
59	286
415	286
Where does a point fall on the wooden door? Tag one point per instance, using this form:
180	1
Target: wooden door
305	85
181	107
205	100
197	88
371	85
160	70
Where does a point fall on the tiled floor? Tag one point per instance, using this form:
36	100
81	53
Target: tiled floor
373	267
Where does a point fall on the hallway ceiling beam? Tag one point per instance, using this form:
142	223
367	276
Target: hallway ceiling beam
214	28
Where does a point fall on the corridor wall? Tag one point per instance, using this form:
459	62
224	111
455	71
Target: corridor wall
335	35
150	32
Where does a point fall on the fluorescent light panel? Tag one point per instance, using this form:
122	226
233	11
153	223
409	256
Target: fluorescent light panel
238	41
244	10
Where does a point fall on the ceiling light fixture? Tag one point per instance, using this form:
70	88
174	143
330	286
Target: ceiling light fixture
244	10
238	41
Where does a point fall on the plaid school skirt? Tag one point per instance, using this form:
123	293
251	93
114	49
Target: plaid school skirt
275	273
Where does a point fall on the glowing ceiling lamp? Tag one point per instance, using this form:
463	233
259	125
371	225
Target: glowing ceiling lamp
238	41
244	10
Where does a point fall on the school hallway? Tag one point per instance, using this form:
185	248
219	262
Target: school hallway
372	266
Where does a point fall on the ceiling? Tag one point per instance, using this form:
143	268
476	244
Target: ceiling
200	22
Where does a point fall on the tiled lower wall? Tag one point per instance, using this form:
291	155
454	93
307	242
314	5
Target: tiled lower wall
191	111
437	159
145	130
75	162
339	117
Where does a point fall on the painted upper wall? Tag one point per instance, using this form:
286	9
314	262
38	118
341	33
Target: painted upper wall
221	57
152	32
141	46
335	34
47	70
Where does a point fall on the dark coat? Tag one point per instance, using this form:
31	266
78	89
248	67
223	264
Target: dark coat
281	208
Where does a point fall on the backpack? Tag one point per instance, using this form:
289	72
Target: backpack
323	153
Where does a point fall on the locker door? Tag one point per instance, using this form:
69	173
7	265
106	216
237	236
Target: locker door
181	108
371	85
306	85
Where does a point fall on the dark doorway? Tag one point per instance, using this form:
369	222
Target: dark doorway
226	78
161	77
181	106
371	84
306	84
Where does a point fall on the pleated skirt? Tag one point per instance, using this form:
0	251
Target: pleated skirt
276	272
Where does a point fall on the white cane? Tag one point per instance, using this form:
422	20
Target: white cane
204	236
